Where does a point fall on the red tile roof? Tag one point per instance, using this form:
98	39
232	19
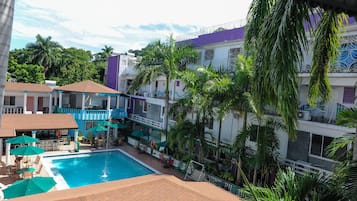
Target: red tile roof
145	188
30	87
22	122
88	87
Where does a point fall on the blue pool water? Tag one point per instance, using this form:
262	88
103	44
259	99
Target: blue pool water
85	169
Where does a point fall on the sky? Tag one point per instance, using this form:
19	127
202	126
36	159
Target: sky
123	25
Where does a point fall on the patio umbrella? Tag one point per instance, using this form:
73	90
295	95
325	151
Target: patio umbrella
139	133
112	125
23	139
98	128
29	187
122	126
27	151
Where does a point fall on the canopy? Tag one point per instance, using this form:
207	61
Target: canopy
29	187
98	128
23	139
112	125
139	133
26	151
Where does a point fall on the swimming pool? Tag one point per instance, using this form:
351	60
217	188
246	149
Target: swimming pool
91	168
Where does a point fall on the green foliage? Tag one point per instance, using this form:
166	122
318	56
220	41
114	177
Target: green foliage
28	73
182	137
325	51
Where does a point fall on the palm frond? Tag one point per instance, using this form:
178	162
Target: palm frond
347	117
324	54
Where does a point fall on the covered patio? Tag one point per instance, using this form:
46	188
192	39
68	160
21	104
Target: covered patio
18	124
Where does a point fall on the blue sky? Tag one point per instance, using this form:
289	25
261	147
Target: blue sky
124	25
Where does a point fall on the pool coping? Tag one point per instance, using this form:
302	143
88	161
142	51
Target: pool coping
61	182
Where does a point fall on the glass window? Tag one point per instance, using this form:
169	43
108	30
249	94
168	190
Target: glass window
348	95
209	54
316	144
9	100
327	142
145	107
233	52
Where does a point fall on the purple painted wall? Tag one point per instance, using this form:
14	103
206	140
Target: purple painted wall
112	72
232	35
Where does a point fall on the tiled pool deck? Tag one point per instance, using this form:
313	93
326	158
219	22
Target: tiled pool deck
6	178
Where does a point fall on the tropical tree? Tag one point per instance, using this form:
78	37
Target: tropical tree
163	59
76	66
348	117
182	138
291	187
27	73
100	61
46	53
270	24
6	19
198	100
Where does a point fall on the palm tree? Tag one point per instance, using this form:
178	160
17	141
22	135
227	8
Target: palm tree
163	59
290	187
6	19
45	53
107	51
348	117
198	100
270	24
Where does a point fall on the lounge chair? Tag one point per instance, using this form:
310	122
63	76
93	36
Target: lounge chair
38	171
37	160
27	175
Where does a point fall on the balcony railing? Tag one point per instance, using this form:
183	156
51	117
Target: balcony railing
302	168
79	114
146	121
12	110
119	113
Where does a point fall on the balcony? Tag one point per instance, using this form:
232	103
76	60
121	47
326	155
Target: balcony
119	113
146	121
79	114
12	110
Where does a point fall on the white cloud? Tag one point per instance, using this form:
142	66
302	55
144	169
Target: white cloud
96	23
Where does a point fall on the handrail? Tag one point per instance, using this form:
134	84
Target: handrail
302	168
147	121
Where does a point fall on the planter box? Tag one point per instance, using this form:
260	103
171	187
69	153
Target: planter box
133	142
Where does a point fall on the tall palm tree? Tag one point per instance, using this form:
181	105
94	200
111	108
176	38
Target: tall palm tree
107	51
163	59
198	100
6	19
280	26
45	53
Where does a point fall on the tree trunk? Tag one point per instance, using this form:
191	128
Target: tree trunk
166	114
6	18
218	143
354	157
245	117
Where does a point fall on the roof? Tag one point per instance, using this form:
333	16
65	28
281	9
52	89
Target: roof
87	86
145	188
7	132
37	122
30	87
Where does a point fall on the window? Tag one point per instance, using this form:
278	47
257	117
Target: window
348	95
209	54
199	57
9	100
319	146
146	106
232	58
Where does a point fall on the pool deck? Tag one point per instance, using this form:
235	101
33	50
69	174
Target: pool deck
6	178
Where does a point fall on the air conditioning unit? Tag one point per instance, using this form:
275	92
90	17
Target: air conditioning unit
304	115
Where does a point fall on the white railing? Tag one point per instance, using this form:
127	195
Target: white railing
146	121
303	168
211	29
12	110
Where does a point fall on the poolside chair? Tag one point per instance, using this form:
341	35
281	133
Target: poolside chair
38	171
27	175
37	160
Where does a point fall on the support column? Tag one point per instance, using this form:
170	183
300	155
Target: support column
60	99
34	136
83	100
118	101
1	148
173	90
108	103
25	102
50	104
126	104
76	143
35	104
8	145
